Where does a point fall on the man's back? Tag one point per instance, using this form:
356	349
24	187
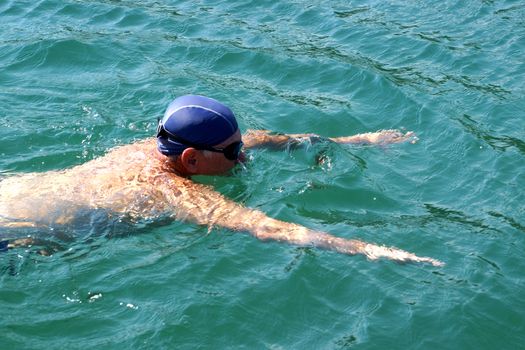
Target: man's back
122	182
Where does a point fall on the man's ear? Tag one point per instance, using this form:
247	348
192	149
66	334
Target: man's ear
189	160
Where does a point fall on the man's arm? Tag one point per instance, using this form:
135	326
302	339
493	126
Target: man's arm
264	138
201	204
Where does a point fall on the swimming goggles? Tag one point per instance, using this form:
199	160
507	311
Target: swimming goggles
231	152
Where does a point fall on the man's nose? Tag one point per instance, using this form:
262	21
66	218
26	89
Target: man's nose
242	158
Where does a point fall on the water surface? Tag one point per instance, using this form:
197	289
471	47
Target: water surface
80	77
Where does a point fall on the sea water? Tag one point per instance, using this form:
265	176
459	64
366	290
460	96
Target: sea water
80	77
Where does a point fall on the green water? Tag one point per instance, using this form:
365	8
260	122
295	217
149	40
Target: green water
80	77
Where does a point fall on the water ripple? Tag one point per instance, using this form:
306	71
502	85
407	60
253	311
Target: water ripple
79	77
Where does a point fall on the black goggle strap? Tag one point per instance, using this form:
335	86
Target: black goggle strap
231	151
161	131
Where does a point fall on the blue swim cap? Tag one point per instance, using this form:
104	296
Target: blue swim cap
196	119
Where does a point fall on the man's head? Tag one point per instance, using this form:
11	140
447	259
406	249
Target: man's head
202	132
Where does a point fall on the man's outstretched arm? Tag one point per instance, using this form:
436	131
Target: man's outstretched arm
264	138
201	204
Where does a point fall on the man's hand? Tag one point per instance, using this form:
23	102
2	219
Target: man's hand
264	138
381	137
373	252
265	228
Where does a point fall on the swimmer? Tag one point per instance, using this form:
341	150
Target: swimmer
153	178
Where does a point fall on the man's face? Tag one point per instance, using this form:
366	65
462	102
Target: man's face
215	163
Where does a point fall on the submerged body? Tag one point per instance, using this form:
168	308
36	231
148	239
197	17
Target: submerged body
136	182
131	182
